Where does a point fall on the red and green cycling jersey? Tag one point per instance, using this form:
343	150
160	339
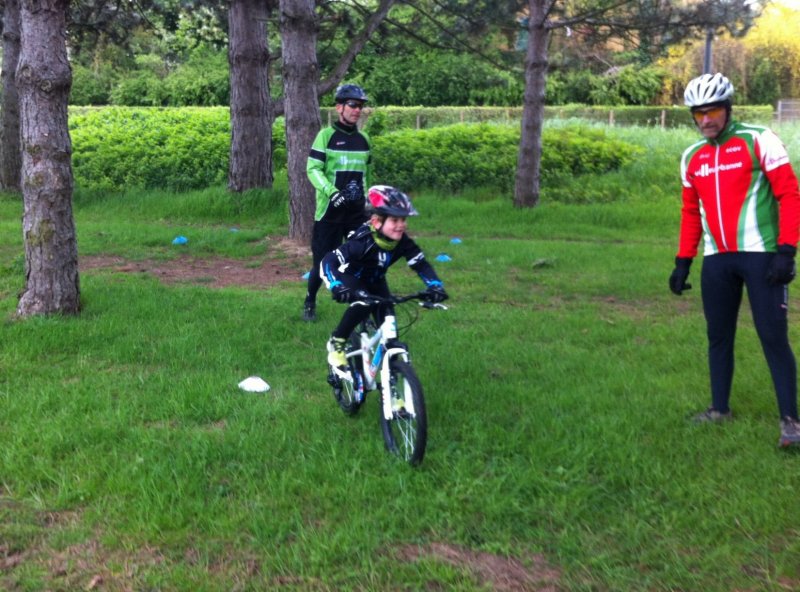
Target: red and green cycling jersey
739	193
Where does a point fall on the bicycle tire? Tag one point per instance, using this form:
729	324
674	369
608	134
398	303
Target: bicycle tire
406	434
350	393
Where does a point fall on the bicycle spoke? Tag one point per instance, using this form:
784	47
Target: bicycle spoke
405	433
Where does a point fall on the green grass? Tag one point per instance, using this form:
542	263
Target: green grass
558	386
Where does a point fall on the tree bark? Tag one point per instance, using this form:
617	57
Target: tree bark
44	79
251	109
10	158
301	108
526	190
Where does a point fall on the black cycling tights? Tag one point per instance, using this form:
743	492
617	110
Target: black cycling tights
355	314
722	279
326	236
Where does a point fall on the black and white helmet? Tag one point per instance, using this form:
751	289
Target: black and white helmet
348	92
707	89
389	201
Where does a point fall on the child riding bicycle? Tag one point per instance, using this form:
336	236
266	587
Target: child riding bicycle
359	266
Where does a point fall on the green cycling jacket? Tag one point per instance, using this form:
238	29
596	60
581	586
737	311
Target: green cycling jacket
340	160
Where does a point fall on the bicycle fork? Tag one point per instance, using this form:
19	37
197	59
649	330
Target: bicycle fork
376	361
391	399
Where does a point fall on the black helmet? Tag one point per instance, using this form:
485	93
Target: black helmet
348	92
389	201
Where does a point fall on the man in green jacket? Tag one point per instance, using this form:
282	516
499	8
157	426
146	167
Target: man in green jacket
340	169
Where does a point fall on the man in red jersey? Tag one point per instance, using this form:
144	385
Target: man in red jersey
740	195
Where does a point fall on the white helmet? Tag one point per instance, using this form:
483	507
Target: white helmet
708	88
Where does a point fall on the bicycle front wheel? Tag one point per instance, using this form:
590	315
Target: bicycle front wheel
406	433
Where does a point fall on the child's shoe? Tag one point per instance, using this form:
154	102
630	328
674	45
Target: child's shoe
309	311
336	353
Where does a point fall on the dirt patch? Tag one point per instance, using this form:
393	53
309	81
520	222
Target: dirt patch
502	574
287	261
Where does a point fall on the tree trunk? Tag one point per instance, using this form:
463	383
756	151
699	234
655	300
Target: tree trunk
10	158
251	110
529	161
44	79
301	108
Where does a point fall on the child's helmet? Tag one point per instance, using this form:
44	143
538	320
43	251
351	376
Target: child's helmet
347	92
389	201
707	89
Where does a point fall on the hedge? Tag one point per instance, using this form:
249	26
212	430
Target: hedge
188	147
383	119
485	155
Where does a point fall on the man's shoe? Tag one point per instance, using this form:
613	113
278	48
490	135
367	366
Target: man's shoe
790	432
711	415
336	353
309	311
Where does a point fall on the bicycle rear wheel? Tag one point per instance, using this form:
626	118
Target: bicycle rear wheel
406	433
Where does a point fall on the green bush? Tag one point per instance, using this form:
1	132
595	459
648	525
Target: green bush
90	87
115	148
188	148
202	81
461	156
435	78
176	149
140	89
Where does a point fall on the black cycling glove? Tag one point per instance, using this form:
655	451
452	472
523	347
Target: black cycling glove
341	293
436	294
781	269
677	281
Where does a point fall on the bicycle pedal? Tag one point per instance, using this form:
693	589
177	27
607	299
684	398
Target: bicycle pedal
334	380
339	374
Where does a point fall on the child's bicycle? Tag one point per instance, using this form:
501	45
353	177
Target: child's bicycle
376	359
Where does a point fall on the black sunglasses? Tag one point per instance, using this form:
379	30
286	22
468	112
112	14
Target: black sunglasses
354	104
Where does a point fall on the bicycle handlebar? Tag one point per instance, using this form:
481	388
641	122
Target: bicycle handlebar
366	299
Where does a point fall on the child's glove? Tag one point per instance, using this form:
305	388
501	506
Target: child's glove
341	293
781	268
436	294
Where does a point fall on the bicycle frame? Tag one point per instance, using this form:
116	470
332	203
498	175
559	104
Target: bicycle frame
375	355
377	360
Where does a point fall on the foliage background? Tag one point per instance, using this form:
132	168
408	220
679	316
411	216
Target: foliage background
188	66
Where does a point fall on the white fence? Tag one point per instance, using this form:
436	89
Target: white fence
788	110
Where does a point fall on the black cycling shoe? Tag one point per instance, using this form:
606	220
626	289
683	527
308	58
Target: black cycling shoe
310	312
